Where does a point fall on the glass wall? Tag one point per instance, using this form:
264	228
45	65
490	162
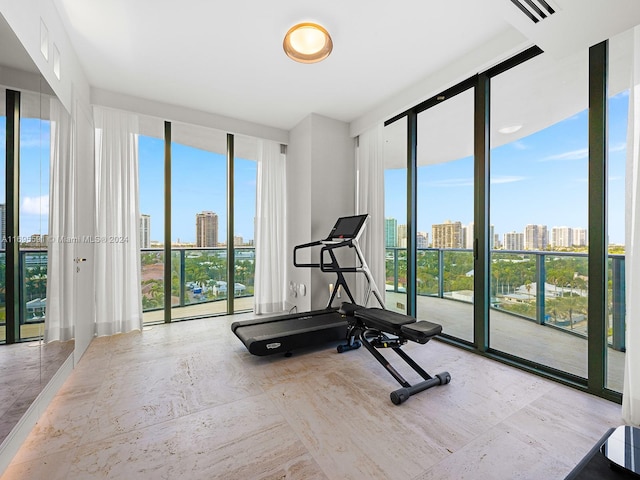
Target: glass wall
620	61
395	213
151	181
198	221
539	206
445	212
245	171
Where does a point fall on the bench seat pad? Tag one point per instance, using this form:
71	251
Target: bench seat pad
398	324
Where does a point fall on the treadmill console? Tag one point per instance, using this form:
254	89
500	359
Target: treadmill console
347	227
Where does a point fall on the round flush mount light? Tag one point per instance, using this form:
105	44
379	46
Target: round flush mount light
307	43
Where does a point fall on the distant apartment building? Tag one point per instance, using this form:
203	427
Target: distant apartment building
468	237
580	237
561	237
514	241
422	240
206	229
145	231
447	235
390	232
535	237
402	236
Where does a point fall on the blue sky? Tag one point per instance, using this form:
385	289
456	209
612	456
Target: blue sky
538	179
541	178
199	182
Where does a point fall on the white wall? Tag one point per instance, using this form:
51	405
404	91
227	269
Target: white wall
320	188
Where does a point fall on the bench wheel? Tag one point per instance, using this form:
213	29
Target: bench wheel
444	378
399	396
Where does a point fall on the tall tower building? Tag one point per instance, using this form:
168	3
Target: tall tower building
514	241
579	237
447	235
402	236
422	240
206	229
561	236
535	237
390	232
145	230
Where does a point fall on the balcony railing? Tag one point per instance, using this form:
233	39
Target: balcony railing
198	276
515	280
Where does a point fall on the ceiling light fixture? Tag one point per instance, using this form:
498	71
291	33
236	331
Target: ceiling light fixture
307	43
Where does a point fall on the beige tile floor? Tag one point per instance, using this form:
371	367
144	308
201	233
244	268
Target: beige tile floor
187	401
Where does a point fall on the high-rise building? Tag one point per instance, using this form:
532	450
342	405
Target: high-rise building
514	241
402	236
422	240
447	235
535	237
561	236
206	229
579	237
390	232
145	230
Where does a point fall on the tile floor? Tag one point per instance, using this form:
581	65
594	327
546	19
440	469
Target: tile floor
187	401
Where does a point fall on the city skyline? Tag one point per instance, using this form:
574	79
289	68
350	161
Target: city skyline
541	177
455	233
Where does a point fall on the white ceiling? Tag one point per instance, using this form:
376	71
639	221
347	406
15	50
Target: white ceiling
227	57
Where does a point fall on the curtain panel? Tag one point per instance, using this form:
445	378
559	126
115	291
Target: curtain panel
370	199
631	389
117	250
59	320
271	258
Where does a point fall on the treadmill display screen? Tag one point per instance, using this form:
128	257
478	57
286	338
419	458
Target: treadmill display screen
347	227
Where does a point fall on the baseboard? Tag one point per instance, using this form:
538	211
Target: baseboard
19	433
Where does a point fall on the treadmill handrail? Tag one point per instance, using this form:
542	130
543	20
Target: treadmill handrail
305	245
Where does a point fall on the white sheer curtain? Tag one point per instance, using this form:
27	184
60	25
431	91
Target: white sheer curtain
370	199
117	272
631	390
271	257
59	319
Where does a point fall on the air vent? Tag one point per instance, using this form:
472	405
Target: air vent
535	10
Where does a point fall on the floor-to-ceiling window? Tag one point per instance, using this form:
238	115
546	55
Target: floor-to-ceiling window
619	75
245	171
184	172
198	221
395	213
539	207
151	183
539	291
444	233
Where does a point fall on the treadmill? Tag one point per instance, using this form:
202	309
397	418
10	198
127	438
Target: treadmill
284	333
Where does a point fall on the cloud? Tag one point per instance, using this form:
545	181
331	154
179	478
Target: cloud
452	182
35	205
495	180
572	155
618	147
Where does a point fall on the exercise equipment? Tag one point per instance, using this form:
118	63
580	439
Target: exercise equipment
376	328
284	333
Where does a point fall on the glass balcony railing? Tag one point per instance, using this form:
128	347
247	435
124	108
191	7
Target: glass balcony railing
198	276
515	279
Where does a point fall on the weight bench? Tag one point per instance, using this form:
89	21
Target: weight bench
372	328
